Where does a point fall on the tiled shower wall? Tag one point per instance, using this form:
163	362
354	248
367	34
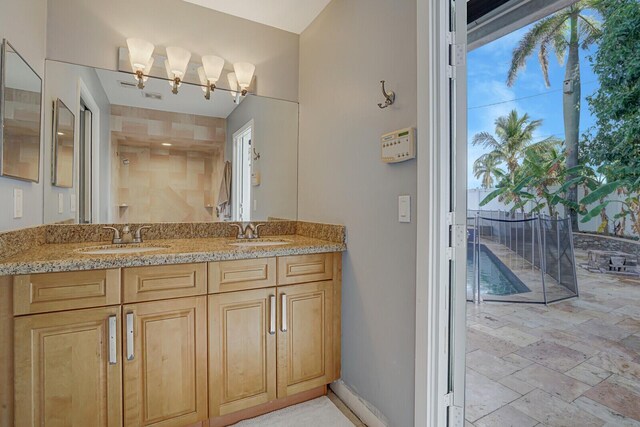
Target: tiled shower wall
165	184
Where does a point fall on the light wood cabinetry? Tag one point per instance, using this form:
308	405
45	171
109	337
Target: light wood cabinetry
164	282
304	268
229	276
165	362
42	293
242	350
261	357
305	337
146	346
64	375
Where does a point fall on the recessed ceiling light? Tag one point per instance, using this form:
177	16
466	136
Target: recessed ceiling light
166	144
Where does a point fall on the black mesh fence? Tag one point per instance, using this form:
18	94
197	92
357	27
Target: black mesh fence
513	257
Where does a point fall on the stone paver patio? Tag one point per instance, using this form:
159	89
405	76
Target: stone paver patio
573	363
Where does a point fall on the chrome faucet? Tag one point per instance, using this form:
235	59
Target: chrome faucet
126	237
251	231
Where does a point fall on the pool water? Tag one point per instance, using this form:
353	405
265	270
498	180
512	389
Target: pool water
495	277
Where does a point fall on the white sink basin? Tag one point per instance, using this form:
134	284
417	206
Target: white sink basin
117	250
258	243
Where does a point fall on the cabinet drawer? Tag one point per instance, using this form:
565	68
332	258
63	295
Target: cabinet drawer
163	282
229	276
42	293
305	268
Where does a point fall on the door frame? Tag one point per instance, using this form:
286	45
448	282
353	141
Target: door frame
434	364
87	97
236	171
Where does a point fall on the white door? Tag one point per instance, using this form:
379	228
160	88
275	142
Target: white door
241	183
458	206
441	250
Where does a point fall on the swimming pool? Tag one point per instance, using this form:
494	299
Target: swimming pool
495	277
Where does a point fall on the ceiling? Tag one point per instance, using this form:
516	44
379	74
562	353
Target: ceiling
289	15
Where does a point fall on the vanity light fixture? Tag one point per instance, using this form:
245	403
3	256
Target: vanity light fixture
167	144
244	74
209	73
141	58
176	66
233	85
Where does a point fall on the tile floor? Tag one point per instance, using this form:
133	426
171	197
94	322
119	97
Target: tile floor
573	363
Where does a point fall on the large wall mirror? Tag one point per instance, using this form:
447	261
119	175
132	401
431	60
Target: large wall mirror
20	115
148	155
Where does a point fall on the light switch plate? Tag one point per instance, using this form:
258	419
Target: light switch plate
60	203
404	208
18	201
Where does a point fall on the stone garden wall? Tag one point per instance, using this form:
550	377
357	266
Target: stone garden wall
586	241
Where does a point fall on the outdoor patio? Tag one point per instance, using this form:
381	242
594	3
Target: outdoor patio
573	363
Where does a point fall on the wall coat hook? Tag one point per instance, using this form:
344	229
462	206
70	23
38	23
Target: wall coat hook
256	155
389	97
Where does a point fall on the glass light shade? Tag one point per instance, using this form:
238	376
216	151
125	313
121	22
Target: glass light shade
177	62
233	84
203	78
147	69
140	53
213	66
244	72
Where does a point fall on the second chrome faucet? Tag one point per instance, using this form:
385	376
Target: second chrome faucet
127	237
251	231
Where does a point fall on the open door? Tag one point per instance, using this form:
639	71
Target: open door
458	211
441	248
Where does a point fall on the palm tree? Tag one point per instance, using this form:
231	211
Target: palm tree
514	135
568	30
487	167
543	170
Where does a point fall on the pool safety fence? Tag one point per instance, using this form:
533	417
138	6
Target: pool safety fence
520	258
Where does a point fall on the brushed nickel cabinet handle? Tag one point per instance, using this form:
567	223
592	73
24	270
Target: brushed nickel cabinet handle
283	327
129	336
272	314
113	325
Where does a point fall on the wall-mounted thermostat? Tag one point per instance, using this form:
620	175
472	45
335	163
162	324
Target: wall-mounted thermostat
398	146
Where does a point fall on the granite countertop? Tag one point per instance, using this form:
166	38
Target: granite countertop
59	257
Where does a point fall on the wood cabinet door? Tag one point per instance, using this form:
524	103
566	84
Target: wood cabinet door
165	362
242	353
68	369
305	337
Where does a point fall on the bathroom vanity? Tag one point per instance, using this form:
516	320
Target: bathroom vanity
199	332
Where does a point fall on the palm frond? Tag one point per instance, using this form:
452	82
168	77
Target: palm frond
590	30
532	39
485	139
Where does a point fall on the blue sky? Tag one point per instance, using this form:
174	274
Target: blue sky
487	75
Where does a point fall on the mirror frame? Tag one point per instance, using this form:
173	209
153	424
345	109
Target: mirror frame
58	104
3	55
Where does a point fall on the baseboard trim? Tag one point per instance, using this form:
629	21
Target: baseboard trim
364	410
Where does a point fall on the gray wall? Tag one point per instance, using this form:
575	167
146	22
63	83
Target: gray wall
88	32
275	137
62	82
344	54
23	23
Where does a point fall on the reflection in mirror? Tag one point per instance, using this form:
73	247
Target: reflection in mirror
63	146
20	111
152	156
